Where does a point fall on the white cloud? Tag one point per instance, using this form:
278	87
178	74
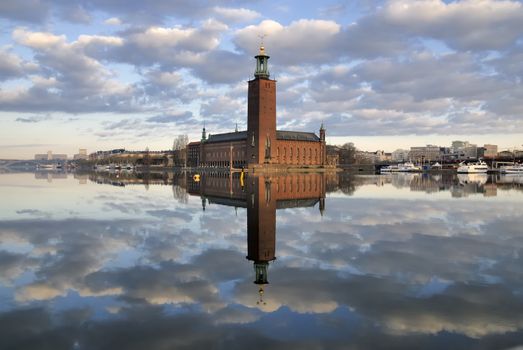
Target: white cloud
11	65
302	41
113	21
68	74
468	24
235	14
193	39
38	40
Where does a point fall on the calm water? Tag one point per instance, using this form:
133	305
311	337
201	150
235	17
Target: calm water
307	261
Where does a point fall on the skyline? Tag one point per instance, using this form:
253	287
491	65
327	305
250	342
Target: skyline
380	74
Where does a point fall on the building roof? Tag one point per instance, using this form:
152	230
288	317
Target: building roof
296	136
227	137
280	135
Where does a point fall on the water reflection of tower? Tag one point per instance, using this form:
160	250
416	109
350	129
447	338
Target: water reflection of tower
262	196
261	229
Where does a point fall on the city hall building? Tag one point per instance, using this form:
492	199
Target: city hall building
261	145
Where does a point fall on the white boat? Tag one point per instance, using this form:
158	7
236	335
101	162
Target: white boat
389	169
512	169
408	167
473	168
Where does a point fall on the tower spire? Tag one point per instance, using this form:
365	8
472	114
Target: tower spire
204	133
262	70
322	132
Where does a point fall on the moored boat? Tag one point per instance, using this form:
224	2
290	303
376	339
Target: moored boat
389	169
473	168
408	167
512	169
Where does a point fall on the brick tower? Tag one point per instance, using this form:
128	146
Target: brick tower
261	114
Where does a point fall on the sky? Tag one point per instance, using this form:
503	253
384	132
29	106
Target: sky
104	74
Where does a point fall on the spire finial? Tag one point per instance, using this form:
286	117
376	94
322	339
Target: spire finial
262	47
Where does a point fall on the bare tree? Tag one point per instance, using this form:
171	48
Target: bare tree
179	149
180	142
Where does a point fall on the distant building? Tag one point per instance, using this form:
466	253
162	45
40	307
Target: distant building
81	155
41	156
382	156
487	151
490	151
400	155
505	155
470	152
50	156
99	155
459	144
429	153
463	150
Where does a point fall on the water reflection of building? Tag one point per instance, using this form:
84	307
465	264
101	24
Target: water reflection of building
50	175
344	182
82	178
262	196
459	185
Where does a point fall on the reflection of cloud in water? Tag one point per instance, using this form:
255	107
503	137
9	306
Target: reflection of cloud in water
463	308
12	265
178	277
